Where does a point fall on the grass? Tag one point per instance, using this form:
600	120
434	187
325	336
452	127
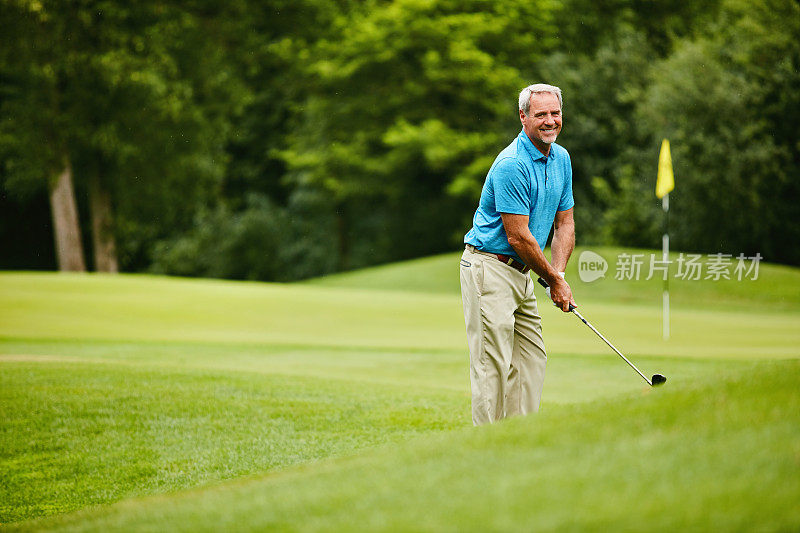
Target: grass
112	431
345	401
714	455
776	288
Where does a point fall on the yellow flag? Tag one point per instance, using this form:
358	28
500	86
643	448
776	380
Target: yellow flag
666	180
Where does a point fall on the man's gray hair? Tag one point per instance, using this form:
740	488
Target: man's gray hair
525	95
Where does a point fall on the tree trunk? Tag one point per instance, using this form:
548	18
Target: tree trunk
67	231
344	242
105	247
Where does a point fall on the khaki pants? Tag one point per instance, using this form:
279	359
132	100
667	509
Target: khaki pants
504	334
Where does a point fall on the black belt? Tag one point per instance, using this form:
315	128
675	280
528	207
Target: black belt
507	259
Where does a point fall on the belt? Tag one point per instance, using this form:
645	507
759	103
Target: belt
507	259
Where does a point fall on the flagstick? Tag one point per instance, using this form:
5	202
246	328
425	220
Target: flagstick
665	258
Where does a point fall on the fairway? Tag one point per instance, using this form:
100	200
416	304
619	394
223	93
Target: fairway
143	402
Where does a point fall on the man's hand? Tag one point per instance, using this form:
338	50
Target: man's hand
570	302
561	294
547	290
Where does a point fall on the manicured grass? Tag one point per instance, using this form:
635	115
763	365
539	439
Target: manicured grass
132	307
120	387
719	455
77	434
104	422
135	308
776	287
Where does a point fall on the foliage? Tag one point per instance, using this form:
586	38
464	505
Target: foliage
370	125
410	102
137	95
726	101
601	91
262	241
271	45
628	218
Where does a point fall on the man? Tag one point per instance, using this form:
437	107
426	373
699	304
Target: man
527	191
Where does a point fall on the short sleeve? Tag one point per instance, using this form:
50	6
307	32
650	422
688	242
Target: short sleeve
512	188
567	201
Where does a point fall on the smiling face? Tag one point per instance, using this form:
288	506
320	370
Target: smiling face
542	124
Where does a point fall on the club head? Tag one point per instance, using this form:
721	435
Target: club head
658	379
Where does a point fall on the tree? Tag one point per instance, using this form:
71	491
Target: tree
271	43
602	89
412	101
728	102
112	100
33	134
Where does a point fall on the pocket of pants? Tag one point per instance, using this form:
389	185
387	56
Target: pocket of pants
480	275
472	268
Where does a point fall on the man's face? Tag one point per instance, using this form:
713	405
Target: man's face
542	124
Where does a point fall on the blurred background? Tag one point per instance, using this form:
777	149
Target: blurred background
281	140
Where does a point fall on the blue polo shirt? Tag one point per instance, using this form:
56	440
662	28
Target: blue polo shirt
522	181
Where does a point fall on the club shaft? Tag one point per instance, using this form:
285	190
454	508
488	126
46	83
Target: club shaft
577	314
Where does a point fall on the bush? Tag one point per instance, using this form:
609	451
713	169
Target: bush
262	242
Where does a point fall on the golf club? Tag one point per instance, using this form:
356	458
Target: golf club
657	379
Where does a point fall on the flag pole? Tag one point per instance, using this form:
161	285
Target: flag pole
664	184
665	259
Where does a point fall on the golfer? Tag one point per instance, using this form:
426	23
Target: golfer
527	191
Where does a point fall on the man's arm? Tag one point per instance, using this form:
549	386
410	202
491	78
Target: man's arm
563	239
520	238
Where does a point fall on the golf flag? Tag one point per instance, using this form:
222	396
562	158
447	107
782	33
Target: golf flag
666	181
664	184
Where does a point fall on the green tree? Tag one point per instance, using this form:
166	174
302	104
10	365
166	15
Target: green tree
728	102
127	103
412	101
601	92
260	226
270	44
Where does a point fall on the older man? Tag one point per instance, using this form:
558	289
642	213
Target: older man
527	191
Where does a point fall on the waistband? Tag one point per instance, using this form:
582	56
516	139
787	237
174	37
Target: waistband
510	261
